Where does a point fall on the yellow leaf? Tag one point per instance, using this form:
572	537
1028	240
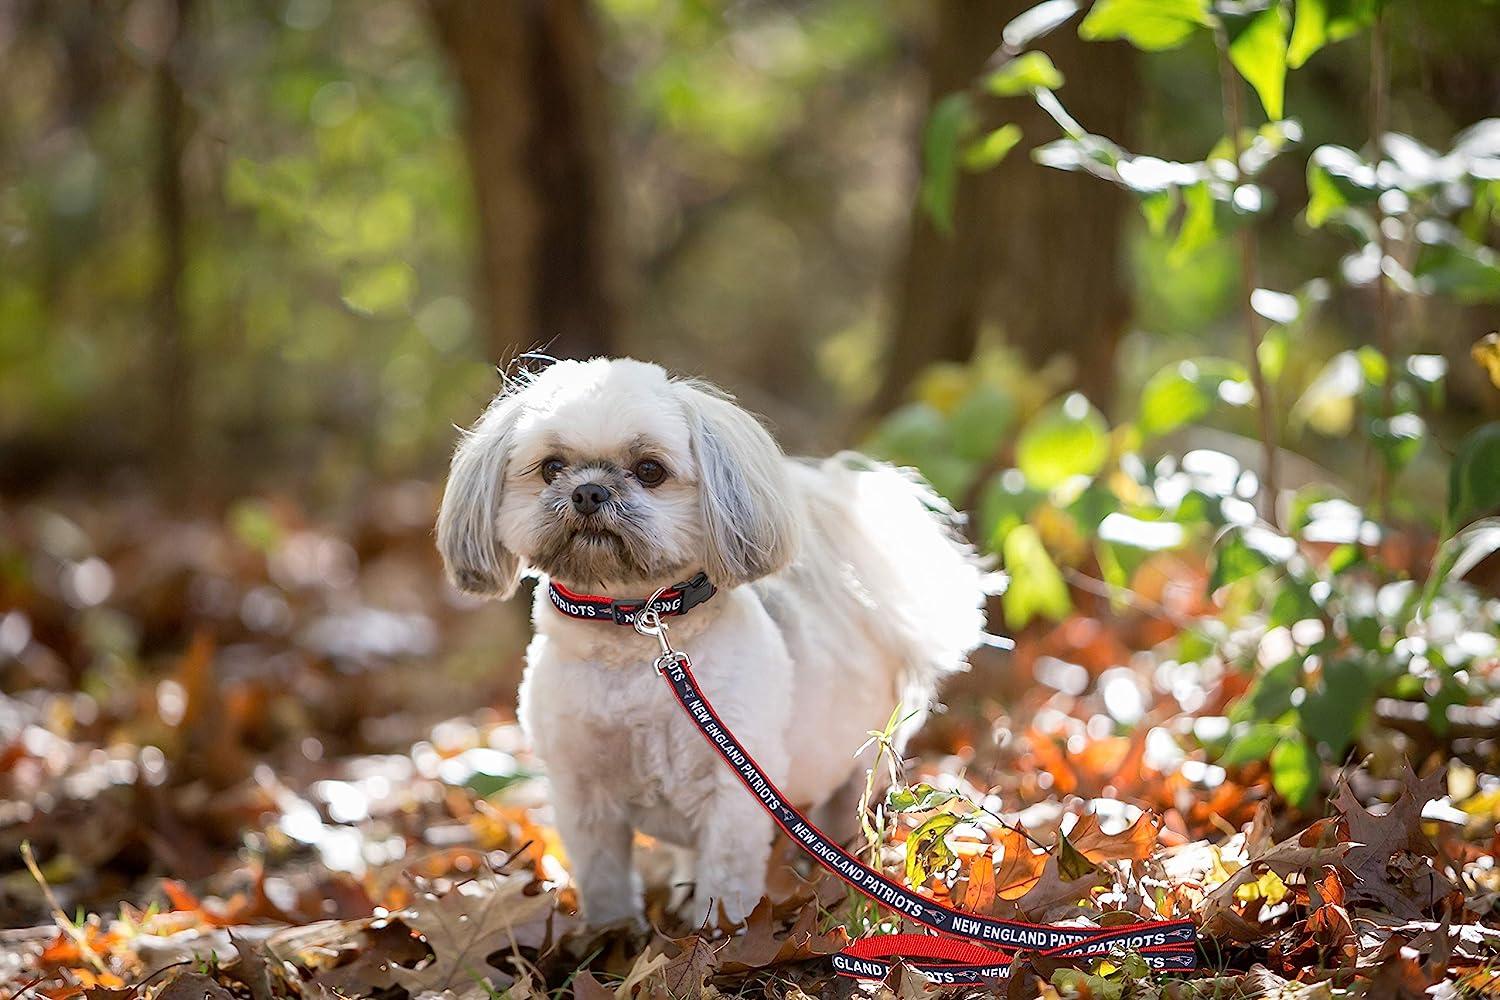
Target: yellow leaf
1486	354
1268	887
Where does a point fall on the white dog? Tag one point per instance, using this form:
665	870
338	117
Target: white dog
840	594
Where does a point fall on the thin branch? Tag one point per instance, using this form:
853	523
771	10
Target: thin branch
1380	85
1249	280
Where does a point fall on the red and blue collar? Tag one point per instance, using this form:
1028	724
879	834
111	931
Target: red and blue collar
678	599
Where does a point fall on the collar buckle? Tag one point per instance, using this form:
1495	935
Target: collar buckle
695	591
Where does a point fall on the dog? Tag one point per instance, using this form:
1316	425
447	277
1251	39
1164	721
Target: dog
840	590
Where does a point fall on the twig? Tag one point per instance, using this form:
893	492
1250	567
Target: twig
1249	281
1103	588
59	915
1380	84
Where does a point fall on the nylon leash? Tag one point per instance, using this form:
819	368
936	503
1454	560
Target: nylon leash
978	948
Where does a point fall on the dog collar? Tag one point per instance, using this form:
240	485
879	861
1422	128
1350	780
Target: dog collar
678	599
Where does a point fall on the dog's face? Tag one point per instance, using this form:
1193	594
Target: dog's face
608	474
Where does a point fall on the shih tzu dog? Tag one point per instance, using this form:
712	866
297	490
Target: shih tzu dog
813	597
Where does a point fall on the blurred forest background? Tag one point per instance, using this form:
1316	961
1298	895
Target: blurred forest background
254	245
259	257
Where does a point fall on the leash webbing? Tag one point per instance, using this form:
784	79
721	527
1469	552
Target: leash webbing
1166	944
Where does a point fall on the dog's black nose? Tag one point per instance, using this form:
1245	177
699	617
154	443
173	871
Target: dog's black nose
589	497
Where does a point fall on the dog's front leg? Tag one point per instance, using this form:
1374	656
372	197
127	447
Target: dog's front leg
733	848
597	835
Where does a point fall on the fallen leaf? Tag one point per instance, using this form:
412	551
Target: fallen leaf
193	986
1135	843
1020	867
463	928
980	895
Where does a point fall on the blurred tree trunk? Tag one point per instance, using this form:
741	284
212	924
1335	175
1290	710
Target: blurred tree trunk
172	427
537	133
1034	251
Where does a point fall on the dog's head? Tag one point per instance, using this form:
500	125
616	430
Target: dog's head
609	474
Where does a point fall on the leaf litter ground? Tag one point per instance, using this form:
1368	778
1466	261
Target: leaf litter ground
243	759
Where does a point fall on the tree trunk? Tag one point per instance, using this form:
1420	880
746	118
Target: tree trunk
1035	251
537	136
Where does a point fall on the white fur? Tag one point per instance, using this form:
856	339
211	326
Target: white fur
842	594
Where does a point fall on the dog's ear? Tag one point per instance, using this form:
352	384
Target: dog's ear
743	490
468	529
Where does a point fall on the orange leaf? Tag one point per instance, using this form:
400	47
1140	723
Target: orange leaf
981	893
1020	867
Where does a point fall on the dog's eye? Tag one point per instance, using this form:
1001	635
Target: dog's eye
552	468
650	472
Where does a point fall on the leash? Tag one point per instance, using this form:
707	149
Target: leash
979	948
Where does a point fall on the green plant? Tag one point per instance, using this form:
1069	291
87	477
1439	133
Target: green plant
1324	621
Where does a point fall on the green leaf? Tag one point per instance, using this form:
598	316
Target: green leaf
1254	742
927	850
1457	266
1243	551
981	421
384	288
1321	22
1158	207
1333	713
1152	25
1474	480
1006	502
1294	771
1270	695
917	798
1259	52
1023	74
1198	228
1338	178
910	434
1067	438
1036	586
987	151
952	119
1398	439
1189	390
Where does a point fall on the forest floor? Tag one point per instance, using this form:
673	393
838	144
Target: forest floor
262	758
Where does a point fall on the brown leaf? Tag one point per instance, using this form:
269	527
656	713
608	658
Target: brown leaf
1218	914
1399	978
1395	836
464	929
251	969
686	974
762	944
1053	890
586	987
193	986
1135	843
1072	865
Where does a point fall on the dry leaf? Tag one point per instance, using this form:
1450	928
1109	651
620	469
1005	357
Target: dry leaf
464	929
1135	843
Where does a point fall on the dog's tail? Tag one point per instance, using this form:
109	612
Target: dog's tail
923	585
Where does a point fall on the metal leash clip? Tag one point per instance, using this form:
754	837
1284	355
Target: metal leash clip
648	621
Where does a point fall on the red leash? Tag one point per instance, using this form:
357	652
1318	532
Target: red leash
979	948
